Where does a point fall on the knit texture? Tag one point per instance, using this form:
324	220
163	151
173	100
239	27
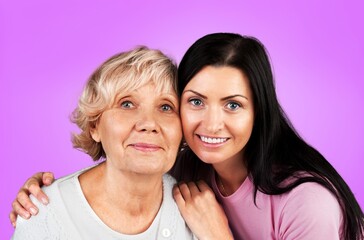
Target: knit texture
68	216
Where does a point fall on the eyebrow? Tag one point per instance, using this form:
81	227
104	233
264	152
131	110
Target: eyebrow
225	98
199	94
236	95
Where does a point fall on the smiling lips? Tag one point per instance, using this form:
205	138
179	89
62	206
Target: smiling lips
145	147
211	140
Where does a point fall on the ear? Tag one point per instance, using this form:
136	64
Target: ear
95	134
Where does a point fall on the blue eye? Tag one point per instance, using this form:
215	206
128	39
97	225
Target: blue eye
195	102
127	104
166	108
233	106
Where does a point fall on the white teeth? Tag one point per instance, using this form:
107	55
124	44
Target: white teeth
213	140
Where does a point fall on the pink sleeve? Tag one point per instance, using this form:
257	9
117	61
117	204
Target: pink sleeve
310	212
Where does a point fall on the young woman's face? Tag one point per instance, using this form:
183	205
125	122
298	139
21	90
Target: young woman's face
217	114
142	132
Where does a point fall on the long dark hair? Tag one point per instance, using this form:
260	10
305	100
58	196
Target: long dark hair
275	151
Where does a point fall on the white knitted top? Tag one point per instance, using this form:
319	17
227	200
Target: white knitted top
69	216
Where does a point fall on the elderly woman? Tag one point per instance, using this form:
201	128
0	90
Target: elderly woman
128	116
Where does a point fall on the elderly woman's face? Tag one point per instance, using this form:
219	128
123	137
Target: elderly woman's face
142	132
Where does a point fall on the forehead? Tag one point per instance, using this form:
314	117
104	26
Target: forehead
151	90
155	87
213	80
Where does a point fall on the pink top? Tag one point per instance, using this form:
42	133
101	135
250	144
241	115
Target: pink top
309	211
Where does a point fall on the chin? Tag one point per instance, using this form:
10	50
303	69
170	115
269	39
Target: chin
210	158
152	170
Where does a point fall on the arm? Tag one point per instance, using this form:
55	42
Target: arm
22	205
202	213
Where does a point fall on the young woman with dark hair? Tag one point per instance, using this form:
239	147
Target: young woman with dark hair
283	169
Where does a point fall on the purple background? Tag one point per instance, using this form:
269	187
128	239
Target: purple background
48	49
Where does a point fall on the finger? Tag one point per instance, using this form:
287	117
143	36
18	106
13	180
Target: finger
205	189
48	178
18	209
203	186
12	217
25	202
178	197
193	188
36	178
185	191
34	188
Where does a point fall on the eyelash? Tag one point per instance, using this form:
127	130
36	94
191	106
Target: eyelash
167	105
193	102
235	103
163	106
126	102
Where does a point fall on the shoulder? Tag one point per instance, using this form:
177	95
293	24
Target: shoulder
62	186
312	196
172	222
168	184
310	210
167	178
51	219
42	226
53	190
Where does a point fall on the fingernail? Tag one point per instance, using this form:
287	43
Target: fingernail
27	215
44	201
48	180
33	211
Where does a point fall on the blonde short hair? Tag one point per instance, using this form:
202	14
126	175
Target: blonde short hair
123	72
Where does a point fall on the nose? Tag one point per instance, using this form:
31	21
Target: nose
147	122
214	120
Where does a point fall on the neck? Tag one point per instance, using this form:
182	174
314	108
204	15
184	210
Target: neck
230	175
118	197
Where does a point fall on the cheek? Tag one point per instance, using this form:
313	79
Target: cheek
189	121
177	135
243	129
174	130
185	125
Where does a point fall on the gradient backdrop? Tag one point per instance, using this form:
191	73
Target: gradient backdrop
49	48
